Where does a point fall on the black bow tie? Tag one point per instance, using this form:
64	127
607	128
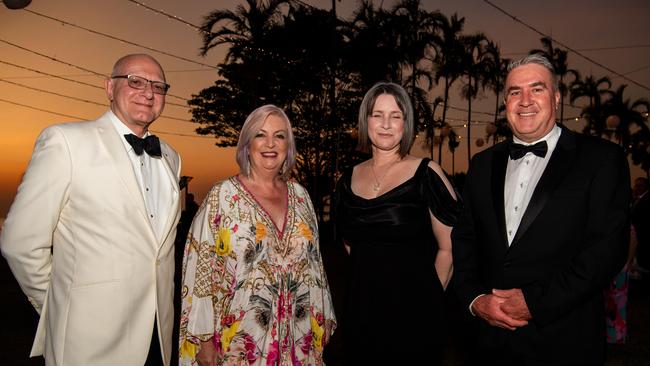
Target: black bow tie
517	151
150	144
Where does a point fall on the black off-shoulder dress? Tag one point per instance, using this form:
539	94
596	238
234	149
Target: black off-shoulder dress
394	304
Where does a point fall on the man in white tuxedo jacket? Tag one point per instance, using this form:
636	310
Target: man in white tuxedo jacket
91	230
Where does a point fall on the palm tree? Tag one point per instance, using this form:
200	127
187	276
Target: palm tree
450	51
474	68
453	144
437	102
245	29
495	73
370	47
415	29
502	126
629	114
289	65
423	113
558	59
592	112
430	127
590	88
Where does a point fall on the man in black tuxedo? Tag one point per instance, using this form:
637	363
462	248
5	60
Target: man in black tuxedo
544	228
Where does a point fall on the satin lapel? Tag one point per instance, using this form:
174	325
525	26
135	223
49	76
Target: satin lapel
557	168
174	210
124	169
499	163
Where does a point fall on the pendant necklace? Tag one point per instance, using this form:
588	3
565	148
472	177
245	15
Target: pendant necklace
377	184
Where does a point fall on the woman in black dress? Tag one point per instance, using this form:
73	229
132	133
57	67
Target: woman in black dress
394	213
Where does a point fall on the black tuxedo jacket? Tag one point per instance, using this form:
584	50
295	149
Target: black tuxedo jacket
571	241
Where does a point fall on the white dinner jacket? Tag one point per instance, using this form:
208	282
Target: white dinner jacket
78	240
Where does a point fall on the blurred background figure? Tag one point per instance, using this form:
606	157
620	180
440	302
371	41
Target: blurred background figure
616	294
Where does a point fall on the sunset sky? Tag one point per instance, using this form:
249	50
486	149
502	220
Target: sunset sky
89	36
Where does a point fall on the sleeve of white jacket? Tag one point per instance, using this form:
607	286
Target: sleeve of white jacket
26	237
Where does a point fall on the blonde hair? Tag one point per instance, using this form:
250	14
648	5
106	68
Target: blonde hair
250	128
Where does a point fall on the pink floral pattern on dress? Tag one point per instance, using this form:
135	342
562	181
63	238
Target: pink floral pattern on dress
616	308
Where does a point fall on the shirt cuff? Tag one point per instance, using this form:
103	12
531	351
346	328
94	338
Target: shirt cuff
472	303
201	317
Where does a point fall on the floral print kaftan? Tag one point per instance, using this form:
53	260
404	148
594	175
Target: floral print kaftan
257	291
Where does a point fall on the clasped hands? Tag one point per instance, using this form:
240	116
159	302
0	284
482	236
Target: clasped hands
505	309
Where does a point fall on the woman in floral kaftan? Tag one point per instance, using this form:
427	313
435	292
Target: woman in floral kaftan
254	290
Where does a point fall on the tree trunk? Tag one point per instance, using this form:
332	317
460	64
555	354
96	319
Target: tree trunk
453	162
561	101
469	121
444	116
496	118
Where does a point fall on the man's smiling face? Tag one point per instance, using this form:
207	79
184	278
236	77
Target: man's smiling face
531	101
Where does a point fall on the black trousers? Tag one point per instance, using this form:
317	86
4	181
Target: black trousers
154	358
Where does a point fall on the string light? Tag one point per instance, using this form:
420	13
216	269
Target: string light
170	16
75	81
587	49
77	118
565	46
181	134
51	58
53	93
119	39
267	53
81	100
489	113
43	110
463	123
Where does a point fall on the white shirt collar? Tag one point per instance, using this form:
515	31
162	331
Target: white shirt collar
551	139
122	129
554	133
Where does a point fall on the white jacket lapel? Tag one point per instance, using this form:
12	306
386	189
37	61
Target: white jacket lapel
123	167
172	167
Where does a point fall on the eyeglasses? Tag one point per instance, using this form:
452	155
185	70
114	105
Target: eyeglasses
140	83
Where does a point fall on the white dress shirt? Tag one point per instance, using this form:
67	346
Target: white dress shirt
155	184
522	176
